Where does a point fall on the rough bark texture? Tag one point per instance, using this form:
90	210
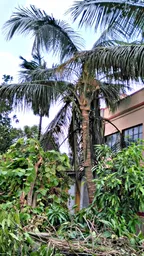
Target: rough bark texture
85	109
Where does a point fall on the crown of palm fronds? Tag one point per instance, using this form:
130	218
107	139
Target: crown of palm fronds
53	35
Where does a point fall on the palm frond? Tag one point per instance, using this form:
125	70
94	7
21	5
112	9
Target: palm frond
128	14
111	93
30	70
29	65
126	61
74	134
37	94
53	35
59	125
49	142
109	37
61	119
105	42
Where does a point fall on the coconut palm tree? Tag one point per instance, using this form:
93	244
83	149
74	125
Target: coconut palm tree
85	122
49	34
117	62
27	74
30	72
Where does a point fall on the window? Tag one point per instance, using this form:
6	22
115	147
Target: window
113	141
132	134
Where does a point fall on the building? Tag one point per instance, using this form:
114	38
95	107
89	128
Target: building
127	122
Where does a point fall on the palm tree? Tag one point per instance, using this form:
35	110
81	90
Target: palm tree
85	124
50	34
27	74
117	62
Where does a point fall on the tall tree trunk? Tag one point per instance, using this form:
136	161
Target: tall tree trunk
97	127
85	109
75	161
40	127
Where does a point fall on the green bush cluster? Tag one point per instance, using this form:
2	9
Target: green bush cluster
47	183
119	184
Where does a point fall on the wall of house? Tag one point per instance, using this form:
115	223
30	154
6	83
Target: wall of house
78	196
84	200
129	113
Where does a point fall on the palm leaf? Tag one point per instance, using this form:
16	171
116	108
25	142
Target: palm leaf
28	65
126	61
111	93
58	126
109	37
30	69
37	94
128	15
49	142
105	41
48	33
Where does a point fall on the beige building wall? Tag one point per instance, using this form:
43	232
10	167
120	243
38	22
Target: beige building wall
129	113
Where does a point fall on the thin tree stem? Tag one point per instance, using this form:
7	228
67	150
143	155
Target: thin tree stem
40	127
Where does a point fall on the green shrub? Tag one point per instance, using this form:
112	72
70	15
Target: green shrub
32	180
119	184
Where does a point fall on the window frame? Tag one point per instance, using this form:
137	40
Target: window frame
132	133
116	145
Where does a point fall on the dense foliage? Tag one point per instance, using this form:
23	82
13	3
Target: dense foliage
34	182
34	219
7	133
119	184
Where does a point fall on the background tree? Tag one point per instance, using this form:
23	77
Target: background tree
28	74
7	133
26	132
48	33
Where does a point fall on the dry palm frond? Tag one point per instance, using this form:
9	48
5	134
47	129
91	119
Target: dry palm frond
99	247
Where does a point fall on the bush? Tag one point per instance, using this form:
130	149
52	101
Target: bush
119	184
32	180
